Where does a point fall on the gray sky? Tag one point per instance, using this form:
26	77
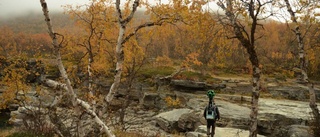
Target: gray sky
12	8
9	8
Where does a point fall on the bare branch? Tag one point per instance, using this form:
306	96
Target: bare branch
147	24
134	9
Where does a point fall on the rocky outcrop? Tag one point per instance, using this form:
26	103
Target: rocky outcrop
276	117
168	121
201	131
273	119
289	89
299	131
153	101
194	85
292	92
190	121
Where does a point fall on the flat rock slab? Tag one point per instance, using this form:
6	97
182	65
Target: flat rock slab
288	108
220	132
174	114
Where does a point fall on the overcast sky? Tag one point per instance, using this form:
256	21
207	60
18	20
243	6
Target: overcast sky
13	7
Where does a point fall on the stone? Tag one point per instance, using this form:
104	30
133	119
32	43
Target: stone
225	132
192	134
299	131
150	99
168	121
16	122
188	84
189	121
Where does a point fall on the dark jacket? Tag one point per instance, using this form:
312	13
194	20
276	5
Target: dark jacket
217	111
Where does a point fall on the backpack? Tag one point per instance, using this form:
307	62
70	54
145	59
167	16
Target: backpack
211	112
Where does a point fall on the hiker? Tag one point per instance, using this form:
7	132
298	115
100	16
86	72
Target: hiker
211	114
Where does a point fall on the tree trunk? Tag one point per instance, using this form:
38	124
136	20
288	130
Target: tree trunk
302	64
90	88
68	86
247	41
120	60
119	49
255	93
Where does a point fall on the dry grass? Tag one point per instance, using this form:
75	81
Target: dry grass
7	132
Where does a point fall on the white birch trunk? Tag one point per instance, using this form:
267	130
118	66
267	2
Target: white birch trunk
120	60
119	49
303	66
90	88
68	86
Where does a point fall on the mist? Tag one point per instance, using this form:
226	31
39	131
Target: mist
15	8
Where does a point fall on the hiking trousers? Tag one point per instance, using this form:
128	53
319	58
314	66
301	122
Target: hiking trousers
211	126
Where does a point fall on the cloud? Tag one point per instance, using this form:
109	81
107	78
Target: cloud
9	8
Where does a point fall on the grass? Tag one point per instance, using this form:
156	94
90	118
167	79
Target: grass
6	132
24	134
157	71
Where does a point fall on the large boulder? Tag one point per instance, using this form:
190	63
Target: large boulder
168	121
271	124
190	121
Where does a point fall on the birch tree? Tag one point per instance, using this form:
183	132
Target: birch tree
302	54
67	86
249	11
123	19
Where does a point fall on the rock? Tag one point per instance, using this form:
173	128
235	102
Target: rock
216	86
195	134
188	84
16	122
269	123
190	121
168	121
299	131
157	100
150	100
192	134
13	107
233	115
224	132
289	92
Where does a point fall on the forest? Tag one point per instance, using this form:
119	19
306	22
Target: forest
107	45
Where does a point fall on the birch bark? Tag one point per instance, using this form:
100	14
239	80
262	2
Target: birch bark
119	48
64	75
247	40
302	63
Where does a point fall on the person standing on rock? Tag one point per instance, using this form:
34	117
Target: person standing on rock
211	114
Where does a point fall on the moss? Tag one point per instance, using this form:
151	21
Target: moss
157	71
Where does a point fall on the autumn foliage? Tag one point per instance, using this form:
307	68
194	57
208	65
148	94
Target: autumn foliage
187	38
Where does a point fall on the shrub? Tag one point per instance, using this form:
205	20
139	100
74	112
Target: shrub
175	103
